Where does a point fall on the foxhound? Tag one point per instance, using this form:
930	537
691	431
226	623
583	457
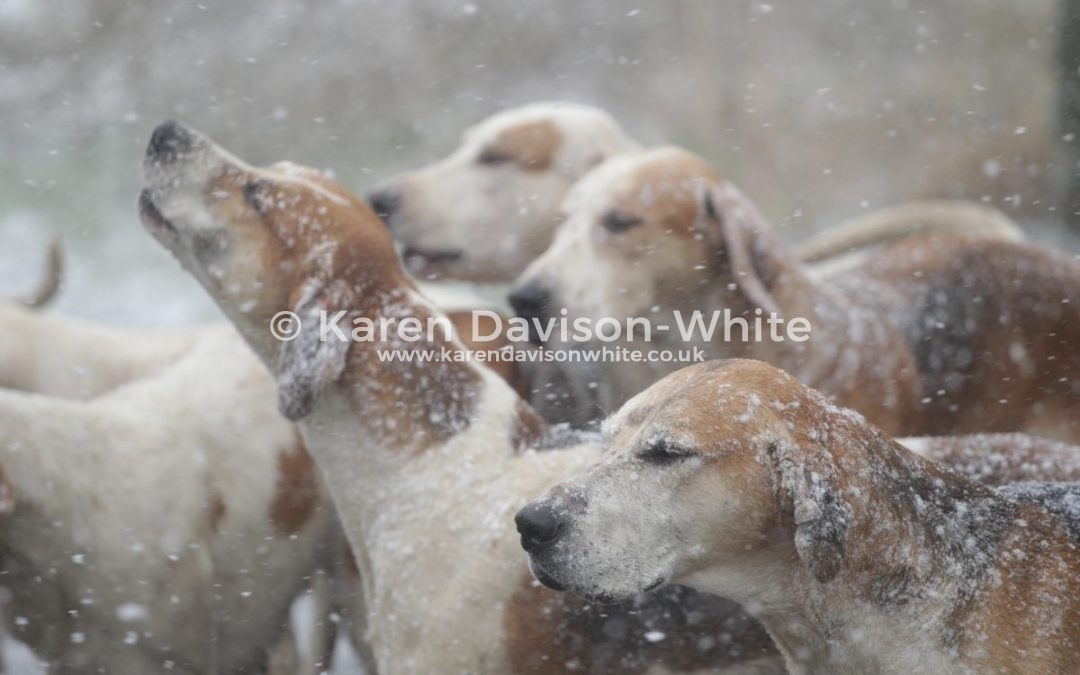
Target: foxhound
945	332
857	555
426	460
490	207
153	529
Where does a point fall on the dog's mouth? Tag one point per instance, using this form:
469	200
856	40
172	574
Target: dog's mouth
544	578
654	585
151	216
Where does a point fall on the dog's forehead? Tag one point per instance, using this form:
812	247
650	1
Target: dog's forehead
511	123
645	408
306	179
663	178
709	402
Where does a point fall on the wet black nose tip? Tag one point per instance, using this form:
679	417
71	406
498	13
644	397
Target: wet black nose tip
385	202
538	526
530	301
169	139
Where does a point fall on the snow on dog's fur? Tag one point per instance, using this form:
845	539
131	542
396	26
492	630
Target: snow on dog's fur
164	525
945	332
426	461
858	555
491	206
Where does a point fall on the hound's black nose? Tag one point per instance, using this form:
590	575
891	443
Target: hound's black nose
385	201
538	526
169	139
531	301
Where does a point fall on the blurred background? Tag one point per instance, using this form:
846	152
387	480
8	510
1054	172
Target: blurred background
818	110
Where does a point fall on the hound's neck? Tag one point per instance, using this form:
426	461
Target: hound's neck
399	403
903	560
798	294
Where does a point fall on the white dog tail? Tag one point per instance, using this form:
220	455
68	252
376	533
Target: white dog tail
54	274
896	222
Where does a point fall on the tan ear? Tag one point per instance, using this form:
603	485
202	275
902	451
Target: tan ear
314	358
808	487
734	228
531	145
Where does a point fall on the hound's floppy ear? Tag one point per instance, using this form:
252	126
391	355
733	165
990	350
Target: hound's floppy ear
311	360
808	486
735	230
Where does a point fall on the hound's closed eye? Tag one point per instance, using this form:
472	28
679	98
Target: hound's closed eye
662	453
255	194
619	221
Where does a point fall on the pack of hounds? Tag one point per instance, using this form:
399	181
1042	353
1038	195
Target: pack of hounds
894	495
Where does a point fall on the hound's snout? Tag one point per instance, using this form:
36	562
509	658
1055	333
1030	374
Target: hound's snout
384	202
538	525
169	139
531	301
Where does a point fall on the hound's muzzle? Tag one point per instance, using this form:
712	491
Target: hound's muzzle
531	302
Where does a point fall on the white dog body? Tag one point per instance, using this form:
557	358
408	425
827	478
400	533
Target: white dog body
154	529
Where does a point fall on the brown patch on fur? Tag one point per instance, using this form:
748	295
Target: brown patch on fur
218	510
664	192
1026	621
297	490
494	348
532	146
550	633
991	327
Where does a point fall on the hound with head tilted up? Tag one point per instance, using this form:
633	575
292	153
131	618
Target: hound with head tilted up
858	555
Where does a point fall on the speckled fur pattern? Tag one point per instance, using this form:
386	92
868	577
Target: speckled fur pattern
858	555
142	536
943	332
424	460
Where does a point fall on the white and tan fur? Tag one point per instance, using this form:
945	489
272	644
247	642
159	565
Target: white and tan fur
858	555
945	332
491	207
121	403
486	210
885	225
426	461
60	356
165	524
